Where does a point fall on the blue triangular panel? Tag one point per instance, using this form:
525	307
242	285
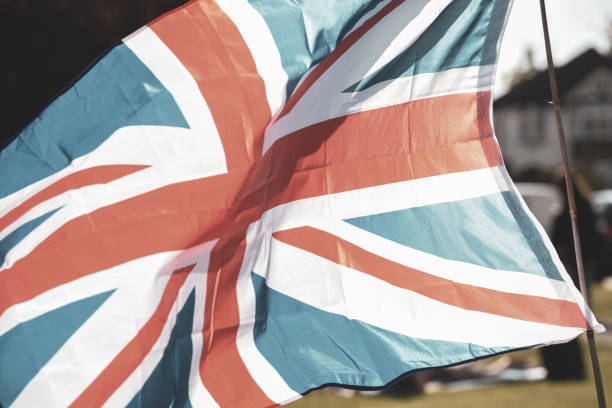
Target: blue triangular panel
7	243
168	384
26	348
492	231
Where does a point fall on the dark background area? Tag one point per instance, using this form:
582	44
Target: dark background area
45	44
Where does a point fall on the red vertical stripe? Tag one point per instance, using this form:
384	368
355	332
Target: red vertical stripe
210	46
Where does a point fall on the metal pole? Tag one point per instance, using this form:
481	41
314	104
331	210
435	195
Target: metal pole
601	398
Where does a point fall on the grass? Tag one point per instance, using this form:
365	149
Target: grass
601	303
543	394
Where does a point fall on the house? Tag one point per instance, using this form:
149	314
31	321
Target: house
525	121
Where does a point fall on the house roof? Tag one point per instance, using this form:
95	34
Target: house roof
536	88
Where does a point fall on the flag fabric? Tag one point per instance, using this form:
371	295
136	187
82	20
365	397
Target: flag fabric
247	200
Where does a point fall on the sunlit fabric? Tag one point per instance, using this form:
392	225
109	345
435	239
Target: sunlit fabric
247	200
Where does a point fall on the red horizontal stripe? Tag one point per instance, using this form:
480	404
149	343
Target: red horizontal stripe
76	180
308	163
134	353
210	46
469	297
411	142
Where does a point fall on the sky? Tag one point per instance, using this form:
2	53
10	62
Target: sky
575	25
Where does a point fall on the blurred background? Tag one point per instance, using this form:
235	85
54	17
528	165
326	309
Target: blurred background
46	44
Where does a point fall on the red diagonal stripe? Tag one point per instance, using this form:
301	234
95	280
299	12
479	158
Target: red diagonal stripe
82	178
132	355
469	297
175	217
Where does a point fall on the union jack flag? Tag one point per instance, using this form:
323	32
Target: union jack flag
246	200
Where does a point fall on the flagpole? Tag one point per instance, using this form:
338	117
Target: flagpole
601	398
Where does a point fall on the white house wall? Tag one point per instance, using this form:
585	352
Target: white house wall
517	154
584	99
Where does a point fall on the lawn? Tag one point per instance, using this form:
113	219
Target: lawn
541	394
601	302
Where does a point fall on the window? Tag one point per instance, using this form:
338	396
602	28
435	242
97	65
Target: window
593	122
532	126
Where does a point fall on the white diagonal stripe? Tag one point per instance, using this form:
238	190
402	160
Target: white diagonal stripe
461	272
337	289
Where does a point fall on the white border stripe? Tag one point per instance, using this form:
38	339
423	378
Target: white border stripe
313	109
385	198
575	293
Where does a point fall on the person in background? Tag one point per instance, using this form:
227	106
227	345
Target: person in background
564	361
604	266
